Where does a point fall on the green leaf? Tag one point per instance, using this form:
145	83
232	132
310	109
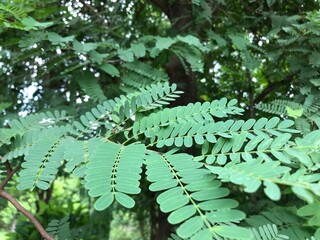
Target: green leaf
138	50
233	232
190	227
4	105
124	200
126	55
270	2
83	47
239	42
104	201
164	43
295	113
56	39
31	24
272	190
181	214
303	194
110	69
225	216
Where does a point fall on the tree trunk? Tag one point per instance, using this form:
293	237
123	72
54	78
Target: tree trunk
179	13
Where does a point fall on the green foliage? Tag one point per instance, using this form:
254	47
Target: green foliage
59	229
306	115
248	153
244	177
266	232
195	200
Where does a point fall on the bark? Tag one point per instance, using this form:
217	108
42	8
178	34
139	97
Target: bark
179	13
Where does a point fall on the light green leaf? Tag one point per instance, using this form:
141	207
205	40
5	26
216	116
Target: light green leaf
233	232
124	200
138	50
295	113
164	43
181	214
303	194
272	190
126	55
104	201
190	227
31	24
110	69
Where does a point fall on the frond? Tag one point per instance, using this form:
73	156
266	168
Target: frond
140	74
21	144
310	214
78	154
41	164
14	11
268	232
183	125
33	121
59	229
279	107
253	173
120	110
113	173
191	55
89	84
304	114
193	198
287	222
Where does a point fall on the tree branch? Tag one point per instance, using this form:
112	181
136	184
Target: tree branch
272	86
251	94
25	212
161	4
10	173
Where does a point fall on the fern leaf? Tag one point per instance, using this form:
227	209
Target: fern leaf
22	125
268	232
182	119
113	173
251	175
90	85
195	201
21	144
192	56
78	153
41	164
14	11
120	110
286	220
278	106
147	71
59	229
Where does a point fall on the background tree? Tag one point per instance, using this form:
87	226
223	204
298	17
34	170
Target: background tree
73	55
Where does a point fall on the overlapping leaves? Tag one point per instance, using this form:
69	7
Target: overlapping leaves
193	198
113	173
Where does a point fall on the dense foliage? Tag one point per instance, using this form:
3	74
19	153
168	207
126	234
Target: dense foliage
186	119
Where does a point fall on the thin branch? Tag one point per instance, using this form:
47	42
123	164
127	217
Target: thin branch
25	212
273	86
93	10
251	93
10	173
162	5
